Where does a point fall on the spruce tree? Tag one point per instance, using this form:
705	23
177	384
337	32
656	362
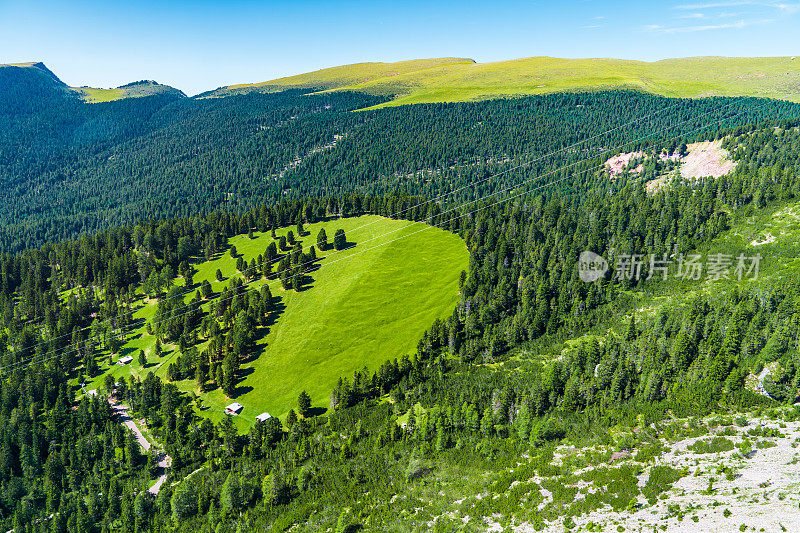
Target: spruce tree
303	404
339	240
322	240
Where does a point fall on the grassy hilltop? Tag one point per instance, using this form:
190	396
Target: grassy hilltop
458	80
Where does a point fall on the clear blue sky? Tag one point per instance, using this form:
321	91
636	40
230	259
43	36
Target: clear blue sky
200	45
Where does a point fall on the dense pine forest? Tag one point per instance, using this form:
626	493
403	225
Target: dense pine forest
495	381
69	168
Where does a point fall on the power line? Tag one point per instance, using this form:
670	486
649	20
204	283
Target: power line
38	358
472	184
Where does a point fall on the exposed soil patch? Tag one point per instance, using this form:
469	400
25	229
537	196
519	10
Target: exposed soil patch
706	159
616	165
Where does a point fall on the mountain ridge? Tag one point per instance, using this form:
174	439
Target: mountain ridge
468	80
453	79
134	89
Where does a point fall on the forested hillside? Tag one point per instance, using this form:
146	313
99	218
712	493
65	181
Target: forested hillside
68	167
531	356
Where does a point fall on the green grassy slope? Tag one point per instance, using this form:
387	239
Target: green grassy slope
345	75
466	80
365	305
94	95
132	90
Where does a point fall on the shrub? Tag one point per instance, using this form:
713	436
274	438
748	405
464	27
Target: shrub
717	444
660	480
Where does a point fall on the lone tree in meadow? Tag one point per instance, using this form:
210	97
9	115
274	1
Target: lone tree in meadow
303	404
234	253
219	275
339	240
282	243
299	223
322	240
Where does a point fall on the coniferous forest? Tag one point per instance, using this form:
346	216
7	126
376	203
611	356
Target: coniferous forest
68	167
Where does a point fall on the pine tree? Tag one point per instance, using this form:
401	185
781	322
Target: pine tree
303	404
274	488
322	240
229	377
297	281
291	418
184	502
632	332
231	493
339	240
201	378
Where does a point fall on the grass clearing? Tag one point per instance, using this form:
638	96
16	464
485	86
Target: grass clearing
96	96
365	305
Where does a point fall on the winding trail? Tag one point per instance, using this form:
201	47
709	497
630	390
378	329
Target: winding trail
164	460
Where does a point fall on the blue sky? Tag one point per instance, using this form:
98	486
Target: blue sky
200	45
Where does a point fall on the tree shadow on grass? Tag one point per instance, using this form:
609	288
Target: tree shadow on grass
127	351
278	308
317	411
241	390
138	298
256	353
308	284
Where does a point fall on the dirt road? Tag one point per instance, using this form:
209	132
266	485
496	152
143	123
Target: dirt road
164	460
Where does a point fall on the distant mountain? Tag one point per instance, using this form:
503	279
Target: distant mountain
458	80
39	69
38	77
